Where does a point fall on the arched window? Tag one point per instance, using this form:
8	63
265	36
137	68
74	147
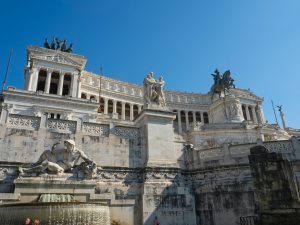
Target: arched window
205	117
101	105
190	115
93	98
110	108
135	111
182	115
127	111
83	95
198	117
119	109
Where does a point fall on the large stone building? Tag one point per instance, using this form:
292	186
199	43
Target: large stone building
183	163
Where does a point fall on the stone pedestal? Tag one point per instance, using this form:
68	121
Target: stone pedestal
158	132
226	109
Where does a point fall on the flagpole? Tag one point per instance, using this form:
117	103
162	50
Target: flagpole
7	69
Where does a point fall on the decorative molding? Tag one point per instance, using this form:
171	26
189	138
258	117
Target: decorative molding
126	132
24	122
96	129
279	146
62	125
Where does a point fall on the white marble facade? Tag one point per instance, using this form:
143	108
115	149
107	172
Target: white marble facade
60	76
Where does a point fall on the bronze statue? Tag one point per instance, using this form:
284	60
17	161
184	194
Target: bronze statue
53	45
58	45
46	44
222	83
70	49
279	108
63	46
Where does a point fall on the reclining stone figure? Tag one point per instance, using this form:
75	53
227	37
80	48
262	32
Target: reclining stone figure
58	161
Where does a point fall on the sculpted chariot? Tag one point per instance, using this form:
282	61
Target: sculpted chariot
62	160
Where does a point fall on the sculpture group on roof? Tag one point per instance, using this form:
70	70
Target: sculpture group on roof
153	90
222	83
58	45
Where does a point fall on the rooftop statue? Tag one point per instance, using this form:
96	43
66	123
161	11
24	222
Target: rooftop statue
222	83
57	161
56	44
153	90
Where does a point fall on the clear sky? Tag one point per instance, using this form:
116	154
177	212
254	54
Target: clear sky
183	40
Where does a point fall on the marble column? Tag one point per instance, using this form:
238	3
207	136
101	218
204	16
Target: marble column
247	113
48	81
115	114
114	107
139	109
34	78
123	111
179	122
131	112
194	117
254	114
60	83
78	87
187	120
105	106
202	117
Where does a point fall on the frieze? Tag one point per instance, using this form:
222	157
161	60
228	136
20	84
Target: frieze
23	122
96	129
62	125
279	146
119	176
126	132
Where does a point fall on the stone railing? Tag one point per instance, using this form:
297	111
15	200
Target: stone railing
70	126
23	122
67	126
96	129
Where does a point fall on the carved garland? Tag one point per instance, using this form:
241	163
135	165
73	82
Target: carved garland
96	129
62	125
125	132
23	122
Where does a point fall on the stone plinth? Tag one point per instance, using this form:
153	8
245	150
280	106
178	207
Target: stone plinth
226	110
157	129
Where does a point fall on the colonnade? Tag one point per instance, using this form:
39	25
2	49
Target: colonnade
52	81
252	113
116	108
184	118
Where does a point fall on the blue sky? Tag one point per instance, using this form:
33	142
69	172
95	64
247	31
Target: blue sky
182	40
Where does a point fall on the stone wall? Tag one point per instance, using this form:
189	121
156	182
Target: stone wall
24	138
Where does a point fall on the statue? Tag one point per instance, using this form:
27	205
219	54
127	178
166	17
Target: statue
46	44
58	161
70	49
53	45
58	45
222	83
153	90
63	46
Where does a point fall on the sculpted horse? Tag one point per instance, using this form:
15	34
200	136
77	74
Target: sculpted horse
222	83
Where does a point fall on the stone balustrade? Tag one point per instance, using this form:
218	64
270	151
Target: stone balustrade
24	122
